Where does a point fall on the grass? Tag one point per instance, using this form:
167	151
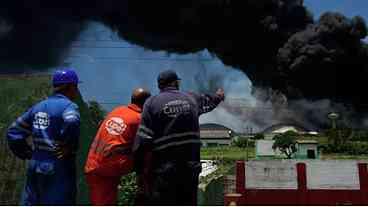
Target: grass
343	157
227	153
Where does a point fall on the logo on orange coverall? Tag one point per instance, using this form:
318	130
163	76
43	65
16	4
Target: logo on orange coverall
115	126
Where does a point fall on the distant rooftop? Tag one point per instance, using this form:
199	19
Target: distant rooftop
213	126
307	142
284	127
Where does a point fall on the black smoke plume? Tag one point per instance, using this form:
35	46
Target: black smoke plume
275	42
34	35
327	60
241	33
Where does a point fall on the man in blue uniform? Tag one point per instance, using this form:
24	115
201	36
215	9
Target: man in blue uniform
168	144
54	125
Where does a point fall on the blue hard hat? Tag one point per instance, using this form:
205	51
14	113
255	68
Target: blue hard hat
65	76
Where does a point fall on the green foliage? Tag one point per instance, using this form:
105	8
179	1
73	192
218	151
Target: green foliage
349	148
127	190
17	94
242	142
88	130
339	136
258	136
96	111
227	153
347	141
286	143
361	135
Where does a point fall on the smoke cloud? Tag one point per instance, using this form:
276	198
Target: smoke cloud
327	60
266	108
275	42
5	28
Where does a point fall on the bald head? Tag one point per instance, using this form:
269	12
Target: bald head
139	96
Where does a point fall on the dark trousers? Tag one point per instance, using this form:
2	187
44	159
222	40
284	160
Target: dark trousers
54	187
172	184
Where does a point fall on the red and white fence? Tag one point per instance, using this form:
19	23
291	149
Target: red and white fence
300	183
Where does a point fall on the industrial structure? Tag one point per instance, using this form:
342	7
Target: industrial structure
215	134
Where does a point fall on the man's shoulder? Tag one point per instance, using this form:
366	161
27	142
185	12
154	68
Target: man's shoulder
123	111
165	97
61	100
128	115
175	94
118	110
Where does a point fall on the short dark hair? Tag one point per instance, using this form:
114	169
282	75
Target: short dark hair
174	83
139	96
166	78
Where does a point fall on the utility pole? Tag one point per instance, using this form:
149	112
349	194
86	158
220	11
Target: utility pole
246	133
246	156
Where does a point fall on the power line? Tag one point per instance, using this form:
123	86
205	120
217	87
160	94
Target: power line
103	47
120	41
146	59
241	107
110	103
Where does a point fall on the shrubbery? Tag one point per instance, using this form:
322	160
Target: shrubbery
127	190
258	136
242	142
286	143
97	112
350	148
360	136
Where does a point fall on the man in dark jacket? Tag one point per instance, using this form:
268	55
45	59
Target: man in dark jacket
168	143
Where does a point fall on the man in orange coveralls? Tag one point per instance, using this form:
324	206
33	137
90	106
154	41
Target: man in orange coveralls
110	155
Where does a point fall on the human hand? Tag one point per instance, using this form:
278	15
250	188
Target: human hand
62	151
221	93
21	149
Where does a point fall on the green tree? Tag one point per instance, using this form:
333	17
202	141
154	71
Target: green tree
239	142
286	143
97	113
339	137
258	136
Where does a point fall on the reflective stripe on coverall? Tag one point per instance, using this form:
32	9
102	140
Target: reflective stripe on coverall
170	132
50	181
110	155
